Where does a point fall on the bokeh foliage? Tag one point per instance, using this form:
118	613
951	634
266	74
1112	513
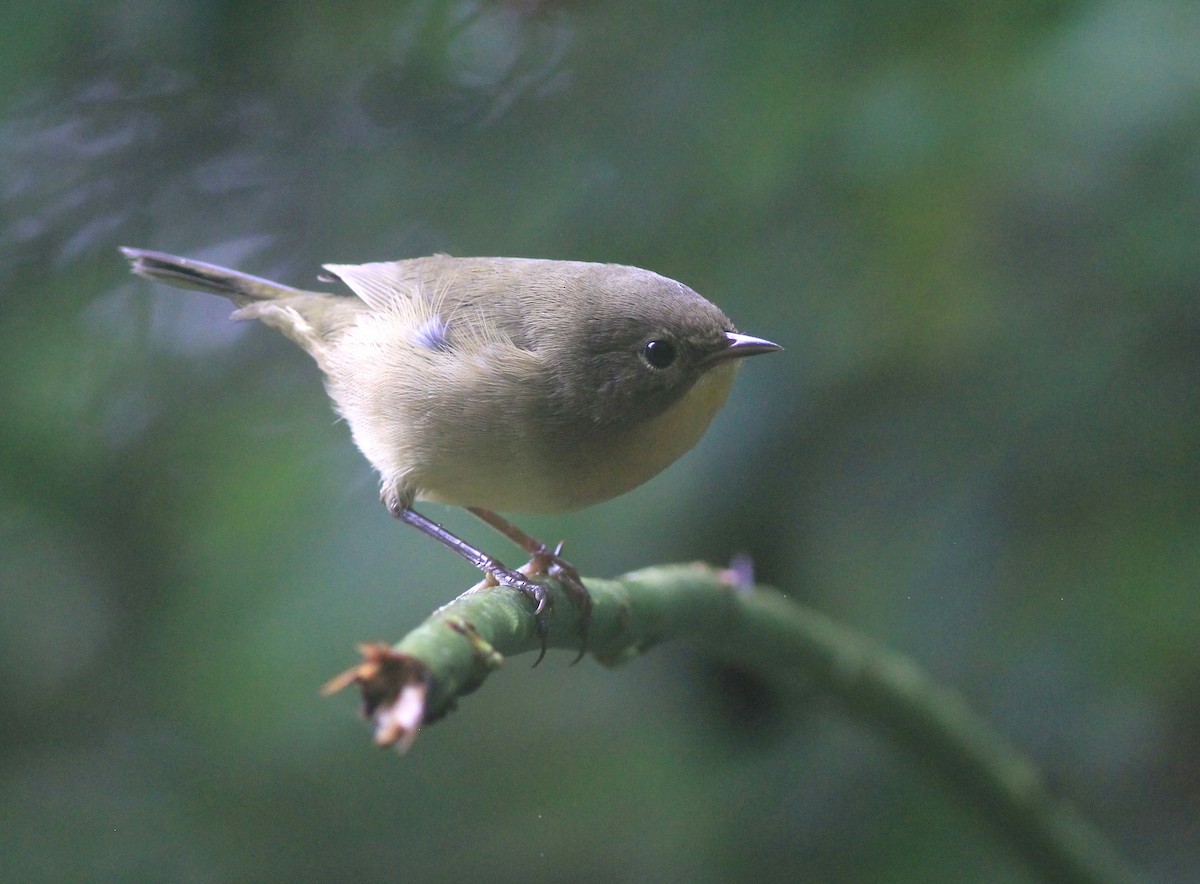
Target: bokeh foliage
973	227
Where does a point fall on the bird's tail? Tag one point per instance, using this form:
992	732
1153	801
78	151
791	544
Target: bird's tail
241	288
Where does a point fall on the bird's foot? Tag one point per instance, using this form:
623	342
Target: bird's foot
537	593
549	563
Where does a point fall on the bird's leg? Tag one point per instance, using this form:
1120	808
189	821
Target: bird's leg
545	561
492	568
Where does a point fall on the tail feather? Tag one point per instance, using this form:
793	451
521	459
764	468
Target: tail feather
241	288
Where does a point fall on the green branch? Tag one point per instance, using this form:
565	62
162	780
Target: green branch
418	681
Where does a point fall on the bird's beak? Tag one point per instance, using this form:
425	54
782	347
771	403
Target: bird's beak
738	345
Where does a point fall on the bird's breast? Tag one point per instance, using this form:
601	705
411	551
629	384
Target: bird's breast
615	463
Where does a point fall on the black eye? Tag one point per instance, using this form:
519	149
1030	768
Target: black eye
658	353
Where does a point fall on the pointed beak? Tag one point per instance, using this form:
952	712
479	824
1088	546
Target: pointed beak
738	345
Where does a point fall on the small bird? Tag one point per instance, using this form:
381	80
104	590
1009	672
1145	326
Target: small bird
511	384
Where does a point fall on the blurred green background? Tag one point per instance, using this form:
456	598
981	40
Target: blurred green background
973	227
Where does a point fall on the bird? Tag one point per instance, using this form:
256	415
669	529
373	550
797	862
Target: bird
515	384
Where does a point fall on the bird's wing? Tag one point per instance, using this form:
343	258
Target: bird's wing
454	302
383	286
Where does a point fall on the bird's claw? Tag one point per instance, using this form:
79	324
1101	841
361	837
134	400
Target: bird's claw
545	563
552	564
538	594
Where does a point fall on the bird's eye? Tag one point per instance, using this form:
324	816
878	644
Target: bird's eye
658	353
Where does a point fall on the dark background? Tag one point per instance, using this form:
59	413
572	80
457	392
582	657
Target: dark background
972	226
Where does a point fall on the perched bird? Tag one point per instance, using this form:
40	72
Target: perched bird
501	383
